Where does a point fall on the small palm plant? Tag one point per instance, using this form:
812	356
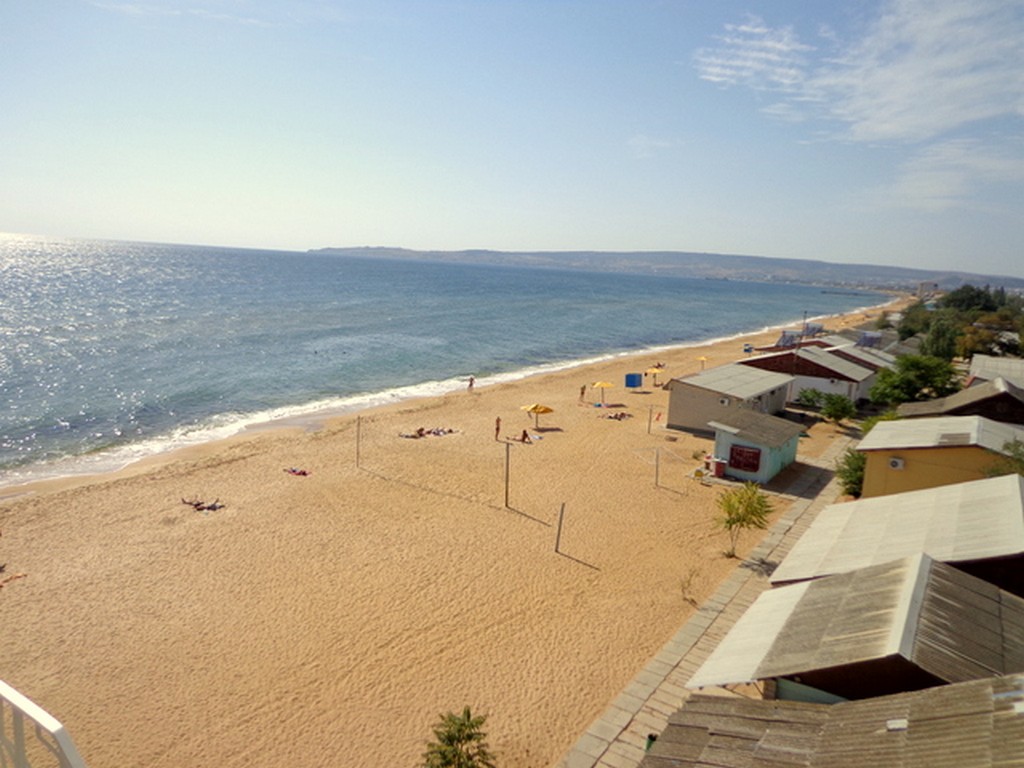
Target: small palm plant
742	508
460	743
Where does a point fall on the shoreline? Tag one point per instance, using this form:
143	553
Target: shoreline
338	613
316	415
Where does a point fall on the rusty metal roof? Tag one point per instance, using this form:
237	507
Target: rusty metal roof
920	619
757	427
965	397
977	724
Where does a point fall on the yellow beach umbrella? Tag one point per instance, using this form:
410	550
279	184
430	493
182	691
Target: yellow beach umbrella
602	385
536	409
655	370
703	360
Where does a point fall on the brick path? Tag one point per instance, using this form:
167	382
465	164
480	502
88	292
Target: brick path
618	738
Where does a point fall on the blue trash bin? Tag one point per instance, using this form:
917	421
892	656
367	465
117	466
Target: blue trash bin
634	380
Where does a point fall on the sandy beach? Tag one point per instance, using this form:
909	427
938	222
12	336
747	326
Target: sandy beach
328	618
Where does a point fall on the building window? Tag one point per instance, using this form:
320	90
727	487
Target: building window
744	459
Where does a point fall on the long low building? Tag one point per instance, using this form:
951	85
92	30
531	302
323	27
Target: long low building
999	400
912	454
977	724
977	526
900	626
713	394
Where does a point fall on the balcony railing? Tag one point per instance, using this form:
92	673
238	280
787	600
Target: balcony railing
30	737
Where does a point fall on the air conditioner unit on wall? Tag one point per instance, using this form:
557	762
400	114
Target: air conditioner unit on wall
723	401
895	463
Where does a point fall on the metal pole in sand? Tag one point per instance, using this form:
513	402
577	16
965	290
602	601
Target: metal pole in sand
558	536
650	413
508	451
359	437
657	466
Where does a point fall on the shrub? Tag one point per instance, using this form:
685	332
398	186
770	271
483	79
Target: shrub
742	508
460	743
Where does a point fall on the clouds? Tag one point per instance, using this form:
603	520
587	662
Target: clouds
951	174
920	70
940	78
755	55
926	69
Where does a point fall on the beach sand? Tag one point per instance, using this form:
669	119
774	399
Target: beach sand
329	619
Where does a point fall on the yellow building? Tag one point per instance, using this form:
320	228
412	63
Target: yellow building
913	454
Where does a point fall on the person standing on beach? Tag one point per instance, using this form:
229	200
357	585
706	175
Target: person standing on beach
583	392
472	381
497	428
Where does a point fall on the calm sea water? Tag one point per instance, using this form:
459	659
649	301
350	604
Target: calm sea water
111	351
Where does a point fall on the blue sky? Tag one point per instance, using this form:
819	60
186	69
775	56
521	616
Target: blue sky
865	132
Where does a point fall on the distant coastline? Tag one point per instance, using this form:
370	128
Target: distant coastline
867	277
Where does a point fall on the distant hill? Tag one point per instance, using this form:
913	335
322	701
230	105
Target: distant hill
702	265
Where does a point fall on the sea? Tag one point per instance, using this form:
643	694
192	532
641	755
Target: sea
114	351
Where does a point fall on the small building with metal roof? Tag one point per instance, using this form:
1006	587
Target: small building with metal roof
998	399
911	454
976	724
712	394
755	446
818	368
899	626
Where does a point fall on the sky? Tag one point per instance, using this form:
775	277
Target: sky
869	132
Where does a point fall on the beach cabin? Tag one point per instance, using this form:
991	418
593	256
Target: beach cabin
976	724
904	625
998	400
884	340
977	527
988	367
818	368
911	454
713	394
756	446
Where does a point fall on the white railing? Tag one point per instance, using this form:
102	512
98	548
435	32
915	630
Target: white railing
30	737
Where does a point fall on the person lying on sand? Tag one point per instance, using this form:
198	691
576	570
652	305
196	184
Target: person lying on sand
299	472
202	506
423	432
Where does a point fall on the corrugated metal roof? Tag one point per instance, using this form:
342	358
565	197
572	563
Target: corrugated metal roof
826	359
940	431
954	523
946	623
757	427
737	380
977	724
989	367
867	354
965	397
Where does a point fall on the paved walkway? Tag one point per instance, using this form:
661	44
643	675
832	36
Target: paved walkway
618	738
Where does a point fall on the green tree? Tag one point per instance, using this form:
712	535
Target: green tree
941	340
968	298
914	378
837	407
810	398
916	319
850	471
742	508
460	743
